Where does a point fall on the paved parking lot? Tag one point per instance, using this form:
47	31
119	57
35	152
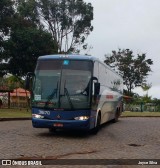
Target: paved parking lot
130	138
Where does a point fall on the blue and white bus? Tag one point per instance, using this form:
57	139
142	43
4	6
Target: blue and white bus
74	92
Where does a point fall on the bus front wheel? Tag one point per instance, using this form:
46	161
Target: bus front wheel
97	127
52	130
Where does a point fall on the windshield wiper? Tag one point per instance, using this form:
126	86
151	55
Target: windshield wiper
50	97
52	94
68	96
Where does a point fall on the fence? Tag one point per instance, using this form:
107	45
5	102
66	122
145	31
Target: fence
142	107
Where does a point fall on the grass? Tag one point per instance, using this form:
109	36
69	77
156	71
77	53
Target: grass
140	114
15	113
23	113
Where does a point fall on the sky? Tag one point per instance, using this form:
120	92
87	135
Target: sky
128	24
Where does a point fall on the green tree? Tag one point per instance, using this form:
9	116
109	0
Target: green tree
146	87
69	21
134	70
11	82
6	13
25	44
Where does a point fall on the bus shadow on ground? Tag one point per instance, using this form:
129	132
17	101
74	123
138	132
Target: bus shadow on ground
73	133
65	133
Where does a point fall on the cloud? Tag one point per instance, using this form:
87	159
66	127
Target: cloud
128	24
151	92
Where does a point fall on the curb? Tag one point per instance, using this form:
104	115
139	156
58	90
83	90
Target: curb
138	116
15	119
29	118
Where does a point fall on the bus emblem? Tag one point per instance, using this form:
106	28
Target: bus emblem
58	117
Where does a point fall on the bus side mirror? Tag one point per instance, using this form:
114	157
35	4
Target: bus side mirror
94	78
96	88
28	82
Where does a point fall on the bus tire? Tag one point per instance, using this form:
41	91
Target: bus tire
117	114
97	127
52	130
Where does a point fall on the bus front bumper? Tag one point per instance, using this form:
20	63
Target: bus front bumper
61	124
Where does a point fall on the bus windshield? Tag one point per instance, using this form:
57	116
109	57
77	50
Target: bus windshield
62	84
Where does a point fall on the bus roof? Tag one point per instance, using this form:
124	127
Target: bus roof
68	56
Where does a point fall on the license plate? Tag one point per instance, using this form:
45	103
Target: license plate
58	125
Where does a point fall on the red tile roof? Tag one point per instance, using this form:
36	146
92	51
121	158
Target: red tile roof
20	92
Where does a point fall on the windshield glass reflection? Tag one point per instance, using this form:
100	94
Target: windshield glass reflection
59	85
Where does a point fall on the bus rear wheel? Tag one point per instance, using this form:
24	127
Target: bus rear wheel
117	114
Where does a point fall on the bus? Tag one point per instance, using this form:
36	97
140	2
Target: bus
75	92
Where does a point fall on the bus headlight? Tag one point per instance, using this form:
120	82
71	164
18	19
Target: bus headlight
81	118
37	116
